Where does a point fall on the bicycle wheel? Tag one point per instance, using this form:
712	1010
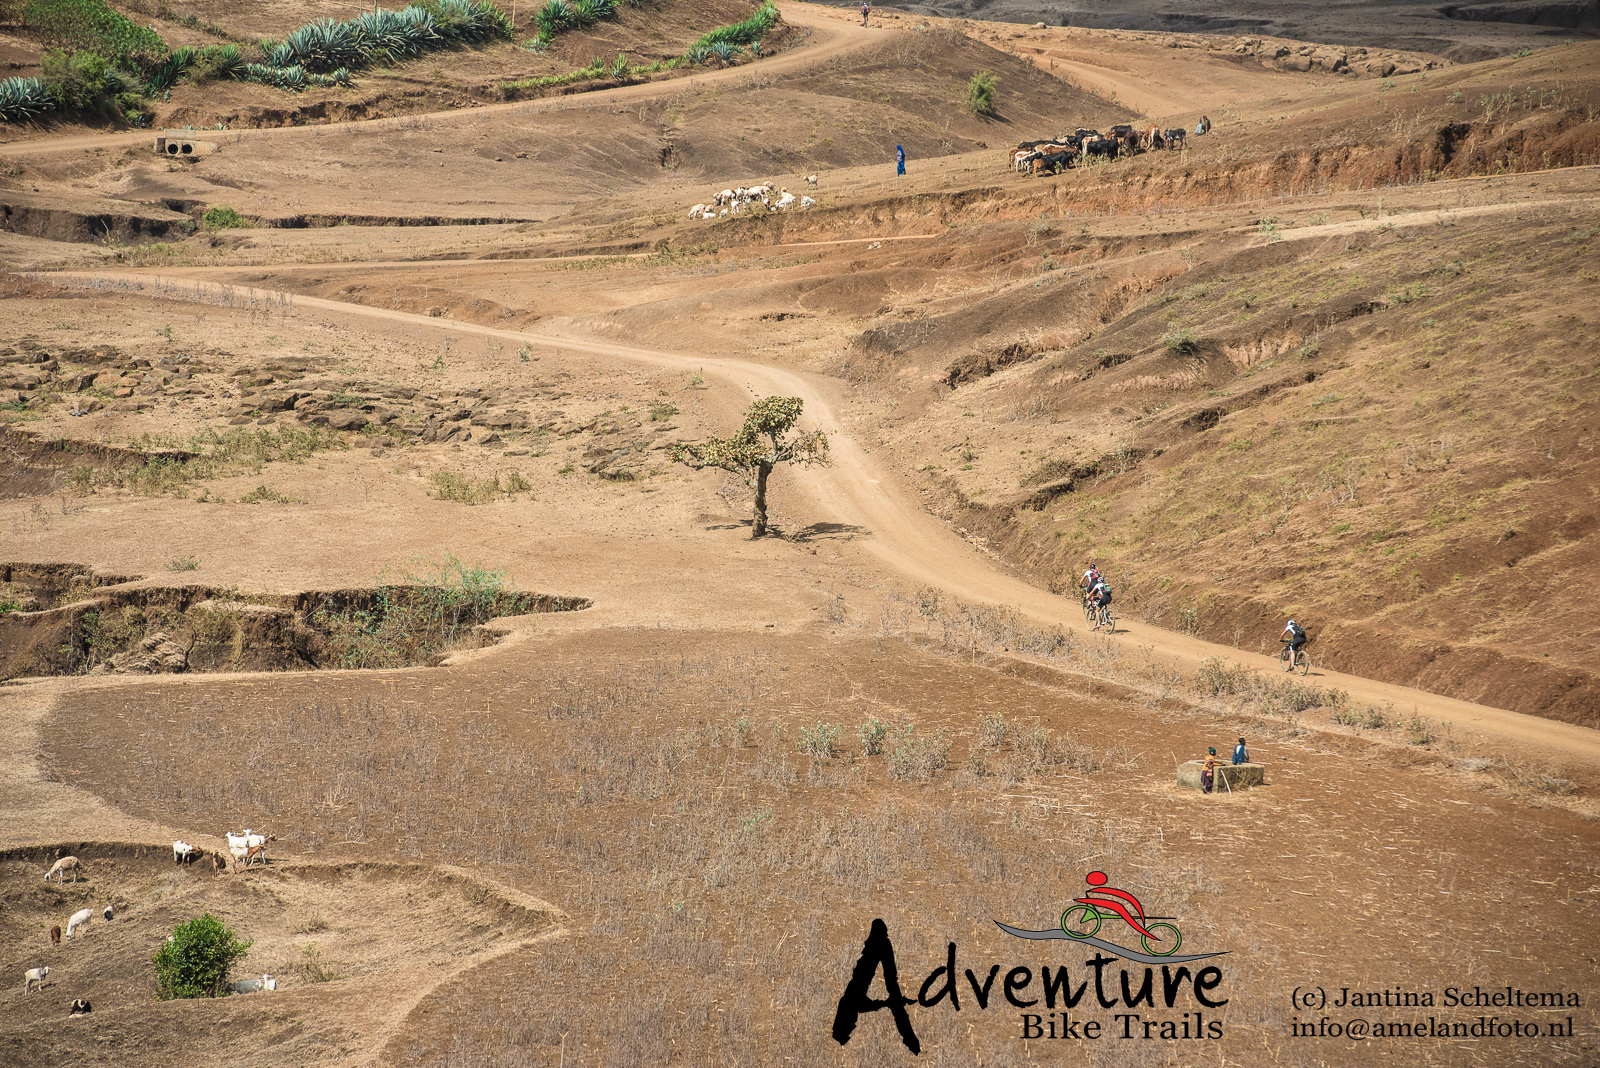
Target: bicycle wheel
1163	950
1088	612
1305	662
1283	658
1084	914
1111	621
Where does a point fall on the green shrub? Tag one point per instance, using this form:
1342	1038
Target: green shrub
222	217
78	81
92	26
821	741
981	91
872	734
196	962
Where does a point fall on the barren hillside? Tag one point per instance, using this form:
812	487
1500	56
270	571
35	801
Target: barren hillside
343	500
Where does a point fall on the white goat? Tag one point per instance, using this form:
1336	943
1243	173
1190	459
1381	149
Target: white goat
184	853
79	918
806	202
786	200
697	211
722	198
60	868
255	986
34	975
811	179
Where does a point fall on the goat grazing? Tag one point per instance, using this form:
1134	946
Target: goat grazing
34	975
184	853
80	1007
60	868
55	935
79	918
811	179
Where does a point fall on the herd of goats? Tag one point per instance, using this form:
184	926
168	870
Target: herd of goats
247	849
1057	154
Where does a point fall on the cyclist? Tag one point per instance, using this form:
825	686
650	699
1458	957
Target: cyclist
1295	636
1091	579
1099	599
1114	900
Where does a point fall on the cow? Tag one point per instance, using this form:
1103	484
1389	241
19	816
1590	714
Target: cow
1175	138
1102	146
1082	133
1056	162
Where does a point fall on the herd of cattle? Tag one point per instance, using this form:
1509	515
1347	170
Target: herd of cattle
1057	154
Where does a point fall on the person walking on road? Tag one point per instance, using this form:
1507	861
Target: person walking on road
866	9
900	160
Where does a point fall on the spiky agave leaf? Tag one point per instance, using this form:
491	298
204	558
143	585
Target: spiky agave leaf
585	12
22	99
555	16
277	55
699	54
169	70
724	51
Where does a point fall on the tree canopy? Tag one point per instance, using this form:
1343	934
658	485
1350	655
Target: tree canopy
766	439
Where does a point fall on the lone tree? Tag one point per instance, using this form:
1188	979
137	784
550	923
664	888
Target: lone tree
767	439
195	961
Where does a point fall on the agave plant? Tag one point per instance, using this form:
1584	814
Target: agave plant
605	9
226	61
620	70
555	16
585	12
340	76
276	54
325	45
292	78
699	54
22	99
169	70
725	51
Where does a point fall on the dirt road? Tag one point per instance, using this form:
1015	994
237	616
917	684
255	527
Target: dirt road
860	491
831	35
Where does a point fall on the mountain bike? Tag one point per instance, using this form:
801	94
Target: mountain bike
1108	618
1301	659
1083	921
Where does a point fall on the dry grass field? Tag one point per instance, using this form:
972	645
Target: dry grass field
359	523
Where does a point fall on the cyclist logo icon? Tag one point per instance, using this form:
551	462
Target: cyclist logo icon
1082	920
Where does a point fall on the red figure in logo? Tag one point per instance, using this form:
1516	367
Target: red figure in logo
1113	899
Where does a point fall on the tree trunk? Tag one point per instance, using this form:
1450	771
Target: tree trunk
758	528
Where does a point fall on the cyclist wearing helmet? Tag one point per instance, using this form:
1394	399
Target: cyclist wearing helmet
1099	598
1091	579
1295	635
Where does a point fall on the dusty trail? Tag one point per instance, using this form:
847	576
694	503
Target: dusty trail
831	36
859	491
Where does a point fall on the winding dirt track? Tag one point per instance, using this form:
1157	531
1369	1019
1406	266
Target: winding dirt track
858	490
831	36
